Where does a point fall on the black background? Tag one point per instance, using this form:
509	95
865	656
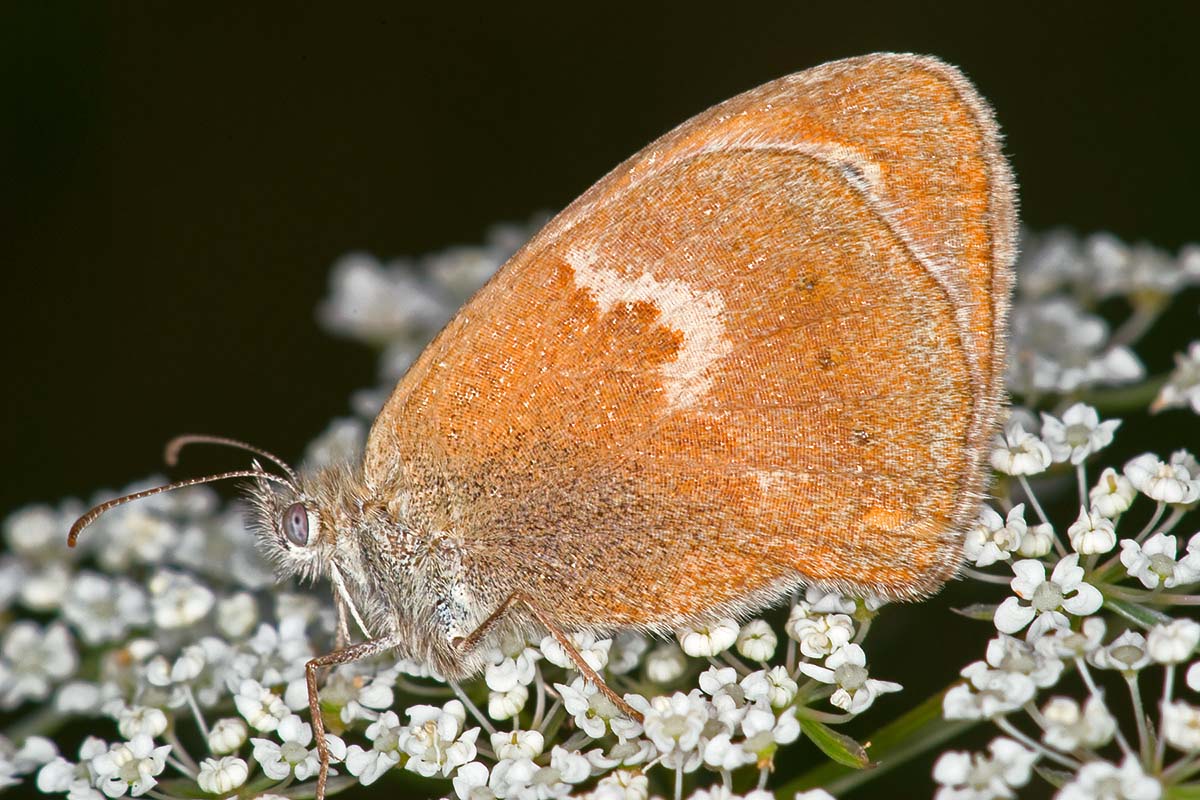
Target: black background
178	178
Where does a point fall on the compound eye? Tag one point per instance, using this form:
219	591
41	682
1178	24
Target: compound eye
295	524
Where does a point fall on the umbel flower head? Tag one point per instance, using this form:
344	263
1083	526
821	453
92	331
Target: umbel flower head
165	637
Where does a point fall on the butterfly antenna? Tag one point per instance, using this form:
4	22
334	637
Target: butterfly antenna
171	453
90	516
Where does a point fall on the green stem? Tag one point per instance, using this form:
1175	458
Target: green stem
920	730
1138	396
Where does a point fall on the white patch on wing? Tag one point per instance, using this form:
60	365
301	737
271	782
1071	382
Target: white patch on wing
772	481
695	313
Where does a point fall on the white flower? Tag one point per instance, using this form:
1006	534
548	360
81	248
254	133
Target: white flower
32	659
665	664
261	707
281	650
178	599
437	742
103	609
593	650
1064	591
470	782
379	302
1069	727
43	588
34	752
186	668
1058	347
60	775
1181	726
134	720
815	794
1078	434
628	753
36	532
1132	270
993	538
387	737
847	669
799	615
293	755
517	744
1010	654
820	635
674	724
237	615
1113	494
1037	541
135	533
626	655
1066	643
1010	677
773	685
506	705
1183	385
81	697
514	671
1174	642
130	766
354	695
521	778
1126	653
762	733
571	766
974	776
1193	677
512	778
757	641
622	785
828	601
715	680
722	753
227	735
1092	533
1191	561
708	640
1100	780
1153	562
1018	452
222	775
1164	482
592	711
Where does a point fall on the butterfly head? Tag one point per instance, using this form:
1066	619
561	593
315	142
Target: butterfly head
303	523
298	516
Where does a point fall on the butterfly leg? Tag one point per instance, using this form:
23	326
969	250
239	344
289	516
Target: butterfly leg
342	655
519	598
342	636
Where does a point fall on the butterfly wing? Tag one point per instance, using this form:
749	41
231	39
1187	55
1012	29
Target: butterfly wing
764	351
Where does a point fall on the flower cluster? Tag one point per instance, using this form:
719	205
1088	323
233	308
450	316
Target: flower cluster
1088	620
167	626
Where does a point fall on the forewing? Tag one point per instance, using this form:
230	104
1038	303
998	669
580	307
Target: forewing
764	350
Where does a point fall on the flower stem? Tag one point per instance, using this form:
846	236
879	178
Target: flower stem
1139	713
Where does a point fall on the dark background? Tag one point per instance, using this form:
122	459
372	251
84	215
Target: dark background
176	179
